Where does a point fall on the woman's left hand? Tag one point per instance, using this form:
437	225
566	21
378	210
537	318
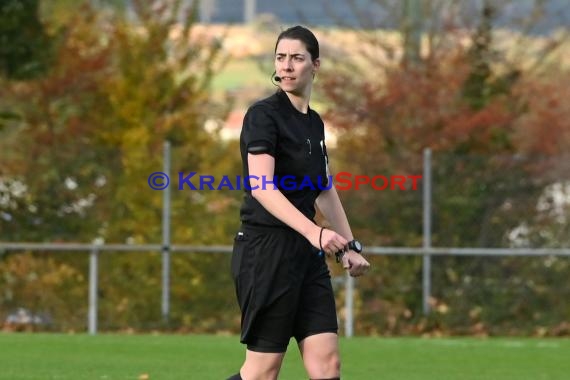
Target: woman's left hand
355	263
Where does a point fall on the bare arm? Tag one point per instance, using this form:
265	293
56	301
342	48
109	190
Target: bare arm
263	166
330	206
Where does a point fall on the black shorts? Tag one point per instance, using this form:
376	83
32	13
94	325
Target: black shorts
283	288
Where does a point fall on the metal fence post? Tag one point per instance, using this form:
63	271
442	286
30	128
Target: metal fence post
349	305
93	276
426	267
166	238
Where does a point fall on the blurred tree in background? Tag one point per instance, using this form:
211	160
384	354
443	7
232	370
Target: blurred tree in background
466	90
90	131
25	46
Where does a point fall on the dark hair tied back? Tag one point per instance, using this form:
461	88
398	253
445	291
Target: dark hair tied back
305	36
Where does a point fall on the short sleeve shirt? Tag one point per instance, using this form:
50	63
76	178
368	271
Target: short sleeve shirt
297	142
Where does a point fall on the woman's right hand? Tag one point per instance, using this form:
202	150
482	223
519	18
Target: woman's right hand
329	241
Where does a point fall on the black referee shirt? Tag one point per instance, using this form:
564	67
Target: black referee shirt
297	142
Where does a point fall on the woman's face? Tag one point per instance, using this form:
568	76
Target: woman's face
293	64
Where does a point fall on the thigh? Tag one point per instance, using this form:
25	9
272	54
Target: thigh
317	307
261	365
319	344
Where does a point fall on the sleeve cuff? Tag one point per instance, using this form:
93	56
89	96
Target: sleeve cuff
261	147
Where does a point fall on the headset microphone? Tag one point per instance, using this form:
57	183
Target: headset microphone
277	79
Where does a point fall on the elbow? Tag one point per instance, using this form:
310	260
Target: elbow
256	193
261	195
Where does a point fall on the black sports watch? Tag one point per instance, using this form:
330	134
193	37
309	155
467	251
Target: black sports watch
353	245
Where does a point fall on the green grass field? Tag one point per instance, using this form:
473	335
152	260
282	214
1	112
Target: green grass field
177	357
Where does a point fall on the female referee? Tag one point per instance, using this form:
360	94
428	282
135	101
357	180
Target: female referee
281	277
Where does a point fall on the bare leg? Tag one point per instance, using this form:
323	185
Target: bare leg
321	356
261	365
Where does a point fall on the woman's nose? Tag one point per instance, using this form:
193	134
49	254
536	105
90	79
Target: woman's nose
287	64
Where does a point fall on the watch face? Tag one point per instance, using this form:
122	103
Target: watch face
358	246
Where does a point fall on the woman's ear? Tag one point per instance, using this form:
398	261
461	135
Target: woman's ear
316	65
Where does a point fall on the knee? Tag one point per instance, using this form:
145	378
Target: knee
257	372
334	363
327	367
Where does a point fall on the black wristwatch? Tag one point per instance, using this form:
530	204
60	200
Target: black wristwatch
353	245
